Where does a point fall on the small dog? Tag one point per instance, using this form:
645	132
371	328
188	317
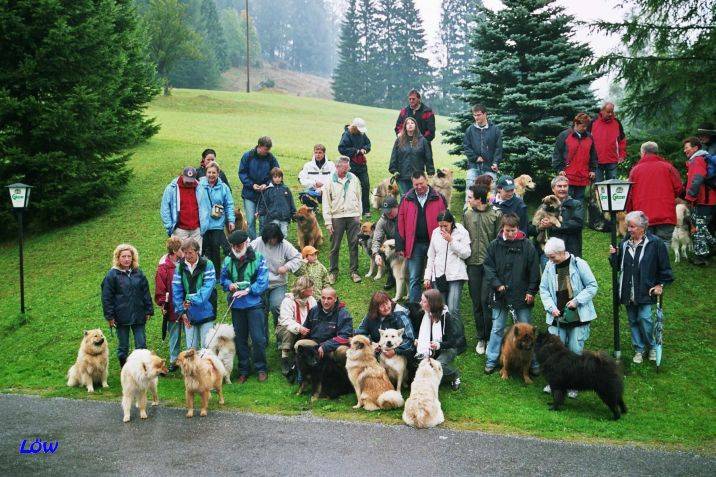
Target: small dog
550	210
365	240
369	379
92	364
396	366
140	374
203	371
240	221
564	369
422	408
443	182
385	188
221	342
681	239
398	265
307	229
517	349
524	184
326	377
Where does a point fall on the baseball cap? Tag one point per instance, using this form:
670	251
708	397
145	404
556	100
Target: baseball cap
238	237
308	250
189	175
506	182
360	124
389	203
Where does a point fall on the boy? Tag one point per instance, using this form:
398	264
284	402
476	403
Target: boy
313	268
276	203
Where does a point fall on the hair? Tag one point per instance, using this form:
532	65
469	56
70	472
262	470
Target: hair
581	118
649	147
554	245
446	216
302	284
510	220
417	175
122	247
343	159
276	172
557	179
484	179
320	147
479	191
639	218
265	141
376	300
353	130
694	141
435	303
190	244
330	289
403	134
206	152
479	107
415	92
271	231
173	245
211	164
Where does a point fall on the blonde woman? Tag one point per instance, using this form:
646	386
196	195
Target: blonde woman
411	153
126	301
294	310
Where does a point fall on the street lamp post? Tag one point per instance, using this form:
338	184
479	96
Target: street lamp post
20	197
613	195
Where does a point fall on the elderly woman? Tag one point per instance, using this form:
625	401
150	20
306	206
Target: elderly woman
126	301
567	289
382	315
411	153
294	310
643	263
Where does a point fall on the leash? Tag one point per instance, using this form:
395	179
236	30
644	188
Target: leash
208	344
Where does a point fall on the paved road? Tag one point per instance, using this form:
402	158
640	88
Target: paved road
94	441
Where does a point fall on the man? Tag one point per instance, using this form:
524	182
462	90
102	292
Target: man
385	229
707	136
207	156
254	173
314	174
508	202
572	213
181	202
422	114
483	224
341	214
355	145
702	197
417	218
482	144
609	142
575	157
655	186
328	326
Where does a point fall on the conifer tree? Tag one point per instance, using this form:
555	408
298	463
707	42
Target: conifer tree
213	33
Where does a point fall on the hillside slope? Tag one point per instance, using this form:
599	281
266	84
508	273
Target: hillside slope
287	81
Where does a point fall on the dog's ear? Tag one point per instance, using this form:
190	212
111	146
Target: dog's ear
400	332
382	332
190	353
86	332
516	331
144	367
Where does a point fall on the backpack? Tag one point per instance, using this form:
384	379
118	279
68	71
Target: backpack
710	179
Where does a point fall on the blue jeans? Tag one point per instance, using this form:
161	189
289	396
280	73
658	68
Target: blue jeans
140	339
606	171
416	269
272	303
174	332
452	298
249	322
573	338
196	335
250	214
641	325
404	185
475	172
499	321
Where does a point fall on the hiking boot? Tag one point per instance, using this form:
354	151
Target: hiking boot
638	358
489	369
355	277
480	348
652	355
262	376
455	384
331	278
547	389
242	379
571	393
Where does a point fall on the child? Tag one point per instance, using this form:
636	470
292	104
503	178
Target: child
313	268
276	203
162	297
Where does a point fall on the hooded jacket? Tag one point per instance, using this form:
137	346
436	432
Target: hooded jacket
696	190
276	203
448	258
655	186
396	320
425	118
408	211
255	169
171	205
485	142
288	314
196	287
575	154
125	297
405	160
251	267
514	264
352	143
311	173
609	140
330	329
483	227
219	194
584	289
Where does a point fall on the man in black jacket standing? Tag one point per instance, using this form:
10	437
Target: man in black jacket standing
482	144
572	213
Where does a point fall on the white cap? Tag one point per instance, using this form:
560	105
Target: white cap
360	125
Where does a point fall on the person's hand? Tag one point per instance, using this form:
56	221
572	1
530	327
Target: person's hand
330	229
233	287
112	323
529	299
656	290
240	293
592	175
426	284
389	353
572	304
363	151
185	319
446	235
379	260
544	223
434	345
186	304
494	168
612	249
501	288
303	331
320	352
231	227
262	187
257	187
562	173
480	159
318	185
282	270
555	313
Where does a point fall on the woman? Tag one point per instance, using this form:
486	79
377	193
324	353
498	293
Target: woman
217	212
643	263
411	153
567	289
162	296
294	310
383	314
438	336
446	270
355	145
126	301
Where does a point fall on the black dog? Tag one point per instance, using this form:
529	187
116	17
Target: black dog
565	370
326	377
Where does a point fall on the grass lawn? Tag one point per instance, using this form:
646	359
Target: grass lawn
64	268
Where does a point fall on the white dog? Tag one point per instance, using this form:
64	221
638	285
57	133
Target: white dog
398	265
681	238
422	409
139	375
220	340
395	366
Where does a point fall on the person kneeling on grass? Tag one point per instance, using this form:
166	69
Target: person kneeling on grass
162	297
294	311
329	326
384	313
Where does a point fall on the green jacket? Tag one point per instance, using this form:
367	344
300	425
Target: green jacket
483	228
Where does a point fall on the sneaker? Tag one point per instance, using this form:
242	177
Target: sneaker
652	355
638	358
571	393
547	389
262	376
242	379
455	385
355	277
480	348
331	278
489	369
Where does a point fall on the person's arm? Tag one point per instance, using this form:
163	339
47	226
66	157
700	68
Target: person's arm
407	347
178	293
262	279
400	120
588	280
664	273
147	295
558	154
202	295
378	236
575	223
244	177
229	206
225	180
460	244
593	157
490	268
429	132
430	263
467	145
676	183
621	143
449	339
697	172
344	329
305	178
291	203
533	269
165	211
291	257
160	287
345	147
399	240
524	220
366	143
287	316
497	158
363	327
428	152
393	166
108	293
547	301
225	279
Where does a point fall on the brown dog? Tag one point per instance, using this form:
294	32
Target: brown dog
369	379
202	373
365	241
550	210
517	350
523	184
239	222
92	365
307	228
443	182
384	189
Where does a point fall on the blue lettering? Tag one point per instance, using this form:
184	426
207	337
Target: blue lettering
36	446
22	449
48	448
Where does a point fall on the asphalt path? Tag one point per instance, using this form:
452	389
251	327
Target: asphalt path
93	440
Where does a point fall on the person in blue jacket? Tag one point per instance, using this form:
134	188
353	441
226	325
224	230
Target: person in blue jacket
217	212
182	206
254	173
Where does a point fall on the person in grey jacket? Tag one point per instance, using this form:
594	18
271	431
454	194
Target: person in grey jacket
385	229
482	144
411	153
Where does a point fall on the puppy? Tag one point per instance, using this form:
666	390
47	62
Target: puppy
517	351
385	188
550	210
307	229
221	342
326	377
92	364
422	409
564	369
365	240
369	379
524	184
240	221
681	238
398	265
140	374
203	371
396	365
443	182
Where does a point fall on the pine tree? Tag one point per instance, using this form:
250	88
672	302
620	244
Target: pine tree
234	26
346	76
213	33
368	63
389	83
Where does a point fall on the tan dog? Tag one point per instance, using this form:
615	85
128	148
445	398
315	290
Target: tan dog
92	364
517	349
365	240
369	379
220	340
423	409
524	184
239	222
307	229
550	210
395	366
443	182
398	265
203	371
140	374
384	189
621	223
681	238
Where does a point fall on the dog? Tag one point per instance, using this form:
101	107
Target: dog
140	374
681	238
398	265
385	188
396	366
203	371
564	369
92	364
326	377
307	229
524	184
221	342
240	222
443	182
517	350
550	210
369	379
365	240
422	408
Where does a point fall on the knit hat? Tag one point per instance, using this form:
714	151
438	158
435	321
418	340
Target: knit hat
308	250
238	237
707	128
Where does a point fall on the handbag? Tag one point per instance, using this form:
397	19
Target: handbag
569	315
440	283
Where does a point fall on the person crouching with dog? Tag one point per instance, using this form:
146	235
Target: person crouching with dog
567	289
294	311
162	297
126	301
383	313
328	327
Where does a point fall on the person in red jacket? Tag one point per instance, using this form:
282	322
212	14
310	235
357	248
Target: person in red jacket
162	297
702	197
422	114
655	186
574	156
417	218
609	142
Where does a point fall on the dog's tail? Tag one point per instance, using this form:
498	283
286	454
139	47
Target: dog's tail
72	379
415	416
390	400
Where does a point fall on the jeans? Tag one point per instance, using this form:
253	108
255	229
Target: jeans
577	192
404	185
212	244
196	335
250	214
272	303
249	322
664	232
452	298
573	338
450	372
416	269
174	332
474	172
499	321
478	295
606	171
361	172
140	339
641	325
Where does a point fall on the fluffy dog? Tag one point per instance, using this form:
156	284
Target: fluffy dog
140	374
549	209
203	371
365	240
524	184
443	182
92	363
564	369
325	376
517	349
221	342
369	379
307	229
396	366
422	409
681	239
398	265
240	221
385	188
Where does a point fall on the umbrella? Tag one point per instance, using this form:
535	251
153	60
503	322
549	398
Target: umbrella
659	331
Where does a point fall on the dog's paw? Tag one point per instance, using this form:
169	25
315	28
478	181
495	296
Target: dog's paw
125	419
202	413
527	380
105	385
190	414
221	400
367	275
504	375
155	403
357	406
90	389
143	414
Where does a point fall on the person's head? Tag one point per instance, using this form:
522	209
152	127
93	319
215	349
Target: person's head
174	248
276	176
555	251
420	182
328	298
478	197
390	207
691	146
414	99
432	303
212	171
560	187
319	152
706	133
188	175
343	165
358	126
479	113
446	221
239	241
409	133
649	147
505	187
207	155
309	253
607	111
581	122
272	235
510	226
410	126
637	223
264	145
380	305
303	288
125	256
191	248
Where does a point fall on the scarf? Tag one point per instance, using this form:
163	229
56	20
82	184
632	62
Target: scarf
299	303
428	330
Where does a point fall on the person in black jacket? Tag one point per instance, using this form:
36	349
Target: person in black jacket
383	314
355	145
422	114
126	301
572	214
508	202
411	153
276	204
207	156
328	326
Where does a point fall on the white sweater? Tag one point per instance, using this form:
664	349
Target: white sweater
287	315
341	198
458	250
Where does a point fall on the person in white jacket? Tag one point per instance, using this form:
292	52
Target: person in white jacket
314	175
445	269
294	310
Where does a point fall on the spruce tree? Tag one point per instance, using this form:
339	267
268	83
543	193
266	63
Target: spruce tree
346	75
368	63
213	33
